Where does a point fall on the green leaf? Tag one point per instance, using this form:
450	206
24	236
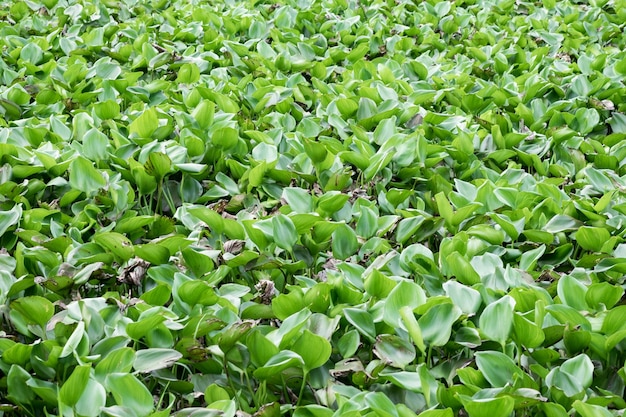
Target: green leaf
285	234
47	391
553	410
315	150
142	327
344	243
74	386
394	350
299	200
349	343
284	305
85	177
332	201
464	297
129	392
313	349
145	124
590	410
10	110
381	404
378	285
445	208
410	323
115	243
488	407
107	110
529	259
496	321
32	53
95	145
188	73
436	324
225	137
35	309
572	292
573	376
74	341
367	225
603	293
118	361
527	332
404	294
261	348
581	368
148	360
592	238
92	400
347	107
158	165
498	368
215	393
437	413
17	354
377	163
278	363
153	253
17	387
233	333
10	218
204	114
460	268
407	228
311	410
362	321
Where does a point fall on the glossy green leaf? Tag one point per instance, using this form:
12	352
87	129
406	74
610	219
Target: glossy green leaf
344	242
35	309
498	368
590	410
115	243
592	238
17	389
9	218
496	321
73	388
285	234
148	360
278	363
313	349
404	294
436	324
488	406
572	292
145	124
225	137
118	361
92	399
298	199
394	350
349	343
158	165
362	321
129	392
85	177
466	298
261	348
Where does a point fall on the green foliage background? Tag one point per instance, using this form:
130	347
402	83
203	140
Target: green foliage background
312	208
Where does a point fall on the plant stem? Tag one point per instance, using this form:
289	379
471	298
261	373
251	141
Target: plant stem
159	192
302	387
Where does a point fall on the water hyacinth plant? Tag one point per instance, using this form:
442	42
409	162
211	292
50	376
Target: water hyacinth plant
312	208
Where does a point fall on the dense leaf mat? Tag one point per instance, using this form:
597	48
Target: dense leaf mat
312	208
